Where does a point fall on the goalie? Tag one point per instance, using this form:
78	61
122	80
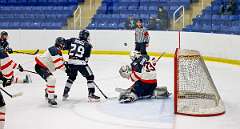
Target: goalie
143	73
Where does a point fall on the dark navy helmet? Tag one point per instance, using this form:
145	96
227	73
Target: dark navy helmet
59	42
4	33
84	34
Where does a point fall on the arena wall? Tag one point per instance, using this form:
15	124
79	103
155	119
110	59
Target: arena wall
215	47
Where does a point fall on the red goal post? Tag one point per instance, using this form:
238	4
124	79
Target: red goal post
195	93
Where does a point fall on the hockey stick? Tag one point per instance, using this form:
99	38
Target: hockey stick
30	71
10	95
36	52
102	92
161	56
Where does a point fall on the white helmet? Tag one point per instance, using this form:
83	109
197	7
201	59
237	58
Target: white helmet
134	55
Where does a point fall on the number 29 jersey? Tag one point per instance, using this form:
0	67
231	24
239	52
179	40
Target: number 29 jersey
79	51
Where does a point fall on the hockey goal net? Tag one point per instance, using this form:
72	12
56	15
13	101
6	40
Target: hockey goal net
194	91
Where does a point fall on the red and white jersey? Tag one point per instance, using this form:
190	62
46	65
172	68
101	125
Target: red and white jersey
7	65
52	59
147	75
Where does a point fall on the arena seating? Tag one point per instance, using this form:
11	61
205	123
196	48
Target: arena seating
211	21
36	14
113	13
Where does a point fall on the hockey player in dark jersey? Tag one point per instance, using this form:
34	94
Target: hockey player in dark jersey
143	73
48	63
79	53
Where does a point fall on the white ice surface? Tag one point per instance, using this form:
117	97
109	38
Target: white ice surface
31	110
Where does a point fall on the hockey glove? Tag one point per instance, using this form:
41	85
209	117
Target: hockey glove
1	49
7	82
9	50
20	68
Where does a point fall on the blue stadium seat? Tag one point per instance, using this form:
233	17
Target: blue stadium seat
120	10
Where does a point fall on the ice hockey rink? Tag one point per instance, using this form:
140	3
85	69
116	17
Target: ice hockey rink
31	110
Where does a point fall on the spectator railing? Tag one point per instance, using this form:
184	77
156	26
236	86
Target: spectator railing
178	15
77	18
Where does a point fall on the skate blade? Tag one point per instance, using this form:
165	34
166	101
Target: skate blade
53	106
93	100
65	99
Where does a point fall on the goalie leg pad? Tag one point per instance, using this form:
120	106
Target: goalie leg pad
161	92
142	89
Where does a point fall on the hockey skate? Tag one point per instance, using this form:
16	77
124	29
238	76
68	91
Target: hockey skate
65	93
91	96
52	102
46	94
27	79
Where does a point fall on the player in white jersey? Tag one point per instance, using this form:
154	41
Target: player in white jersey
143	73
7	77
48	63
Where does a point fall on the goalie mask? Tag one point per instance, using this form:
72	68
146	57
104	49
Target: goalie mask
125	71
134	55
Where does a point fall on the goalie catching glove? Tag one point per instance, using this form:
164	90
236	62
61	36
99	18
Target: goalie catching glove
125	71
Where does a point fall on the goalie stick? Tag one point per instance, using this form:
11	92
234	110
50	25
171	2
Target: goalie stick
11	95
161	56
36	52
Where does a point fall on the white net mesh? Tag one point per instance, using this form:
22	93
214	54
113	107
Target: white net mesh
196	92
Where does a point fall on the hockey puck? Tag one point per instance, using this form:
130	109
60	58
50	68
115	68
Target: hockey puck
125	44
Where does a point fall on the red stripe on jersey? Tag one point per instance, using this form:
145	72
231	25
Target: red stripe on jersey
40	63
51	86
57	60
59	67
145	81
6	65
8	75
2	113
50	91
2	119
15	65
132	79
